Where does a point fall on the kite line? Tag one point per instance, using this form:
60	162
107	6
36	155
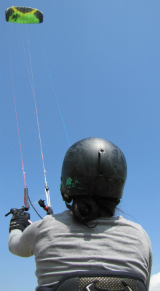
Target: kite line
34	97
54	92
25	186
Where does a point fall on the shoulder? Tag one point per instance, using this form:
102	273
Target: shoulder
135	229
60	217
125	226
125	222
56	221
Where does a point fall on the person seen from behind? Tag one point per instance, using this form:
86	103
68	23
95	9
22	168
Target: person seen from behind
88	237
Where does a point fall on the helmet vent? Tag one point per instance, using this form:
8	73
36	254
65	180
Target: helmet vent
101	162
101	151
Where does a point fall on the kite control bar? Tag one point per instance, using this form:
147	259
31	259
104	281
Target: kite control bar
26	203
12	210
48	209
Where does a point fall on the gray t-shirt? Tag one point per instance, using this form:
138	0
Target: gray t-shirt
62	245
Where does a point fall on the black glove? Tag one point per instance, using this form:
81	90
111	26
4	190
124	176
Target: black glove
19	219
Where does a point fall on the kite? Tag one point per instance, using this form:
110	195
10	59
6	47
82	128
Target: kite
25	15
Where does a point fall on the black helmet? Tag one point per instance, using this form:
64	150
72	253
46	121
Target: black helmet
94	167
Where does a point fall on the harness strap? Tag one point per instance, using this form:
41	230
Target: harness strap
98	281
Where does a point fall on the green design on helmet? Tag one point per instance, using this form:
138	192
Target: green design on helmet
72	184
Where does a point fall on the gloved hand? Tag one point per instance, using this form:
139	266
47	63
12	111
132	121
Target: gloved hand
19	219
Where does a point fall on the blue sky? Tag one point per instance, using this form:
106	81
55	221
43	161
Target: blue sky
104	61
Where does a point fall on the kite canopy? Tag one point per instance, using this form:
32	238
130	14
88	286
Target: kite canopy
24	15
